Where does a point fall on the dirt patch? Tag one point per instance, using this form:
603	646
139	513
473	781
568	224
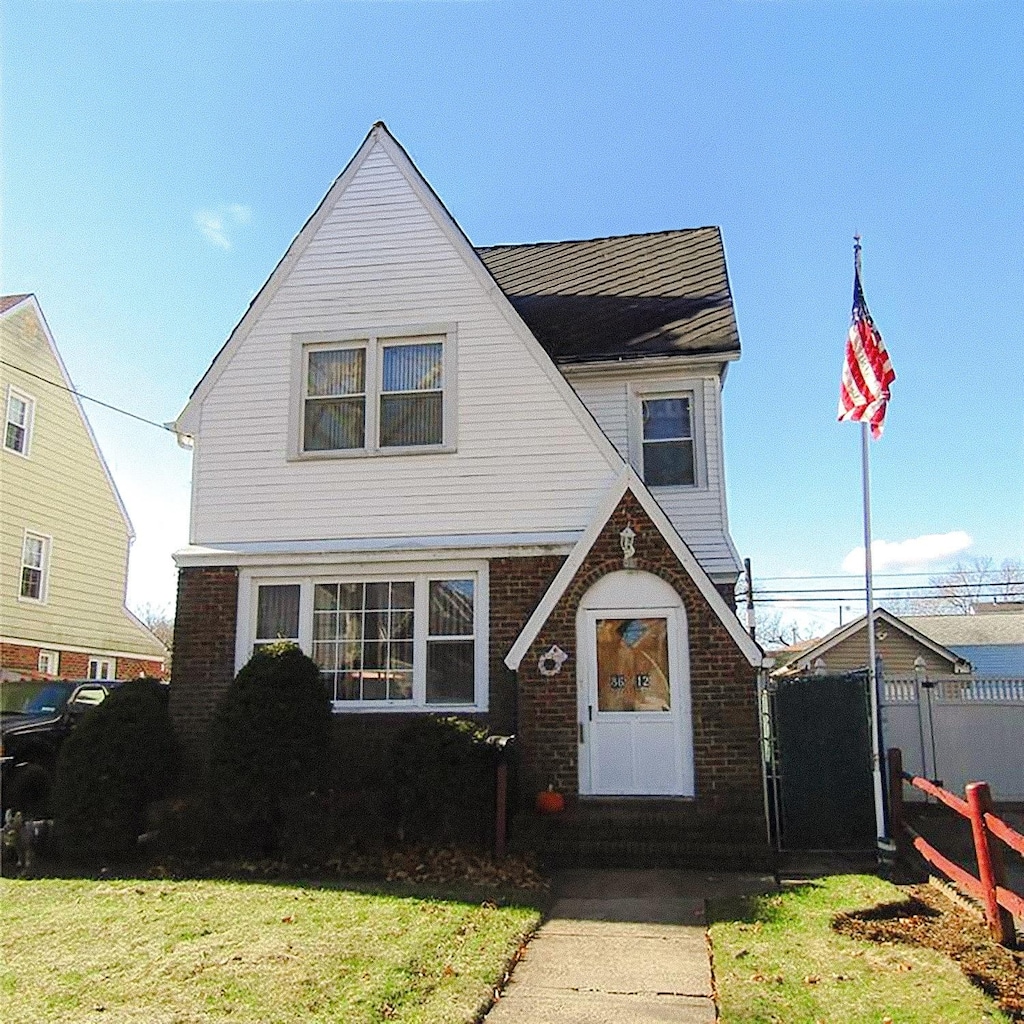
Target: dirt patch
930	919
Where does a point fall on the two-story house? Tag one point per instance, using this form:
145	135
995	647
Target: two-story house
64	532
480	481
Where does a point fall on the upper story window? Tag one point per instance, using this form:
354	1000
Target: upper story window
668	456
35	559
376	395
18	428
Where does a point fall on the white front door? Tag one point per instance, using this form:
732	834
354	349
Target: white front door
635	703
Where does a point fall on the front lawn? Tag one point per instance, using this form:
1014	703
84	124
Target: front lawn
197	951
777	959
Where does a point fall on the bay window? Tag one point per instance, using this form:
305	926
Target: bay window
412	640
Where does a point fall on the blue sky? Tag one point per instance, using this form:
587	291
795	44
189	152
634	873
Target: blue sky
159	157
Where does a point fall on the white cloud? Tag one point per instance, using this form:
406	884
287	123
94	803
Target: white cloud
217	225
917	551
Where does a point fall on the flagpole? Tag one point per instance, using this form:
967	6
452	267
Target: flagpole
881	831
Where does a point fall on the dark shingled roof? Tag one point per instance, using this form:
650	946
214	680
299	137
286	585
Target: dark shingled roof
7	301
624	297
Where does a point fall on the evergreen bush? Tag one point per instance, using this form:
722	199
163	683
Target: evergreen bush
442	780
118	759
270	743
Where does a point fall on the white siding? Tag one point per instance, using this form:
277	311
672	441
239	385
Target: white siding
524	460
698	513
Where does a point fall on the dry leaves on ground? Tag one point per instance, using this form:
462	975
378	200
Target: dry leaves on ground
930	919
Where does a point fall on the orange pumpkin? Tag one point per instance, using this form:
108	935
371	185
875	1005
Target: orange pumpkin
550	802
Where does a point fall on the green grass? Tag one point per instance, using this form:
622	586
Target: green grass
777	960
196	951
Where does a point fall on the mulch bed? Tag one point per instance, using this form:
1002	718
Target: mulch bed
929	918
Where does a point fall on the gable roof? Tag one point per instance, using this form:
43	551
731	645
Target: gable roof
8	303
379	135
1005	627
623	297
628	480
807	651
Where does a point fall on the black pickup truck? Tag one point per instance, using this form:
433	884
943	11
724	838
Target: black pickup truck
36	717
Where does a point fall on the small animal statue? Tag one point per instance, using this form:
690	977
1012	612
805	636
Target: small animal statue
16	838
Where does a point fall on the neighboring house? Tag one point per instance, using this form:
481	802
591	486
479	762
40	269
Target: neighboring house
64	533
482	482
991	639
901	647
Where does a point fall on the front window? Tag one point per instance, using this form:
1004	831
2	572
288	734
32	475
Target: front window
374	394
450	644
19	422
277	615
667	441
403	643
34	557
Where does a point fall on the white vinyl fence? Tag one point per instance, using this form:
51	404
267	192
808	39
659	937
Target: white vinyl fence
958	729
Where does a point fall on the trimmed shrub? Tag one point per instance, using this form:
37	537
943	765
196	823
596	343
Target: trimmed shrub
270	743
118	759
442	780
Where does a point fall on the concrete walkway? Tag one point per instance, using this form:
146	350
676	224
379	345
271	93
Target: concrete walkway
621	947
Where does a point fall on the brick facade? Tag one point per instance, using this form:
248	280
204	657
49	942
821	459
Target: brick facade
204	650
22	661
722	681
541	711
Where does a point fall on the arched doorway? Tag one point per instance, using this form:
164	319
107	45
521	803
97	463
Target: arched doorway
633	676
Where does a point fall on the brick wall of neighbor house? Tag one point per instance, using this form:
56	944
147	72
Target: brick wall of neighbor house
24	659
204	651
132	668
19	658
723	684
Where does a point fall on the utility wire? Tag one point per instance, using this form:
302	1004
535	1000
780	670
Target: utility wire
877	575
89	398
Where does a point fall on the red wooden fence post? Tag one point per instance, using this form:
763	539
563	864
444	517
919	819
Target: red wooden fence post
990	865
895	765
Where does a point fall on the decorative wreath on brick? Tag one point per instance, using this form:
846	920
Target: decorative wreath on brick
551	661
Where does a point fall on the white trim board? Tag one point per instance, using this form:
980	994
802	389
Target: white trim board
304	552
629	481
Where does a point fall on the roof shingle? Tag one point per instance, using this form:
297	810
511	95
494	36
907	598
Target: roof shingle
623	297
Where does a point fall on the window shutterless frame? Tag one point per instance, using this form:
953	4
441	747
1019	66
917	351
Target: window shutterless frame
421	575
691	392
18	421
34	575
372	343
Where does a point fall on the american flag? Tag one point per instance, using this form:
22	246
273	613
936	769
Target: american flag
867	371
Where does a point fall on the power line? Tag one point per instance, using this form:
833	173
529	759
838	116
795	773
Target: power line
979	590
877	575
89	398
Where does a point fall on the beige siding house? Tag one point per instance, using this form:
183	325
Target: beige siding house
898	644
64	533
